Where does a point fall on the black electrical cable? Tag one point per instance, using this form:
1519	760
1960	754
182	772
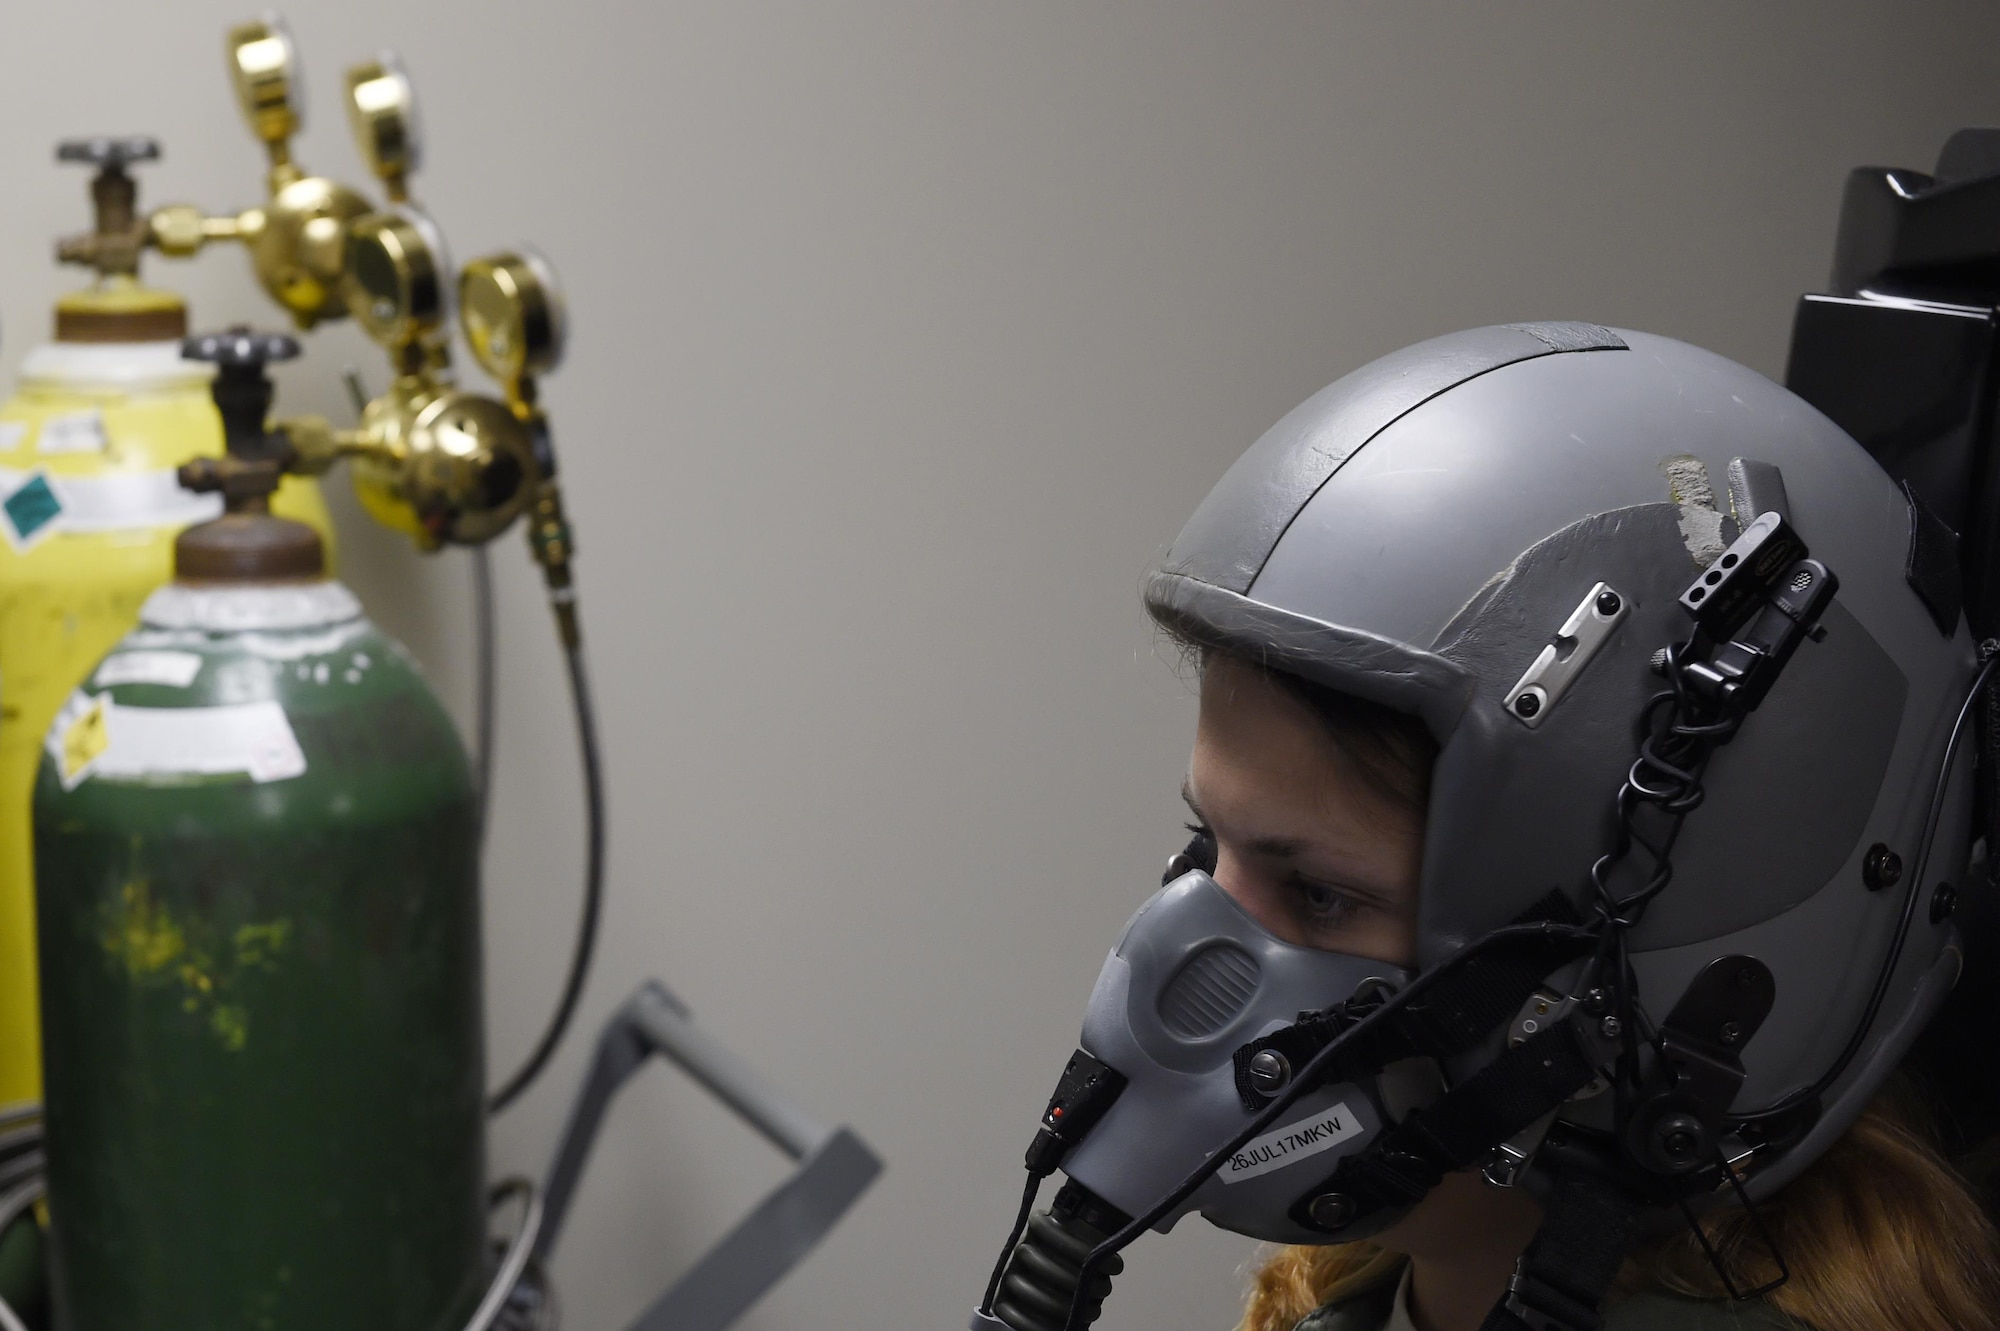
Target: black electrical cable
1678	734
593	887
1939	789
14	1203
1013	1237
1308	1078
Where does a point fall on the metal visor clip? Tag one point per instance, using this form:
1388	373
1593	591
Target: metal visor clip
1574	646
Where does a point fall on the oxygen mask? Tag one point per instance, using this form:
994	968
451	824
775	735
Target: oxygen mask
1179	1056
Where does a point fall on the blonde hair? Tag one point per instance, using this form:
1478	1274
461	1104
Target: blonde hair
1880	1232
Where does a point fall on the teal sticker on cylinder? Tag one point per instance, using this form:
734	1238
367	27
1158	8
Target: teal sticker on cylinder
30	511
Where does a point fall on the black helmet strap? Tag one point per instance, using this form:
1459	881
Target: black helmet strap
1591	1224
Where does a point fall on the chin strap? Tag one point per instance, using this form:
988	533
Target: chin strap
1591	1224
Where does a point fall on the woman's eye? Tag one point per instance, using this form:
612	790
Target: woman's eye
1325	906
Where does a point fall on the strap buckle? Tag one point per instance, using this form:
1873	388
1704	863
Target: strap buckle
1542	1307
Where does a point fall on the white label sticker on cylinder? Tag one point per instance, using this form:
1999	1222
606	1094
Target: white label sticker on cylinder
77	432
176	670
95	737
1294	1141
37	504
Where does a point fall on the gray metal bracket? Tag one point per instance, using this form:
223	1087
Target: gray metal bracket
835	1166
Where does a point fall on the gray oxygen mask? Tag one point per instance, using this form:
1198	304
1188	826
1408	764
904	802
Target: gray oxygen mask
1192	980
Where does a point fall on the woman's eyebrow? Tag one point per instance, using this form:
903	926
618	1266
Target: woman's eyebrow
1274	847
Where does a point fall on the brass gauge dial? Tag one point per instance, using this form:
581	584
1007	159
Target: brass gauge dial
297	238
382	109
511	310
396	276
264	66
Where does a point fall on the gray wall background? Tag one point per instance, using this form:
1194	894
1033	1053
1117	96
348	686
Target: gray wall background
905	336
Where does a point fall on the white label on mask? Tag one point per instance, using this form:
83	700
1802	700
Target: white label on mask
1295	1141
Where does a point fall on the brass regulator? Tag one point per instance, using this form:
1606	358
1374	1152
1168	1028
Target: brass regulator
446	466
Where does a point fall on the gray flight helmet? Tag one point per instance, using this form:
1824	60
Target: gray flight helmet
1418	533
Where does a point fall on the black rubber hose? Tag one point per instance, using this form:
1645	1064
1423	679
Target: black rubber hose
485	671
1040	1286
593	888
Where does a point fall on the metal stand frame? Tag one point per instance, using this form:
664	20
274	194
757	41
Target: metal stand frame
835	1166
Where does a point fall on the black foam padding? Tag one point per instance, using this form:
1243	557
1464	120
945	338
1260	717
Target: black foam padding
1932	567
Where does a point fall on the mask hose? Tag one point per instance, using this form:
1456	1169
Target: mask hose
1045	1286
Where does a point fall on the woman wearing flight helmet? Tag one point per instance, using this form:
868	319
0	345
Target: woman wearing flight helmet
1583	771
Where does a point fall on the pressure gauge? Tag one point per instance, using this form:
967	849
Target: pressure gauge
382	109
511	310
264	66
395	279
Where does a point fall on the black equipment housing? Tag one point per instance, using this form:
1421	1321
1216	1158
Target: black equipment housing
1903	352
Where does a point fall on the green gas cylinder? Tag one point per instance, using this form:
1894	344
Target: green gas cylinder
256	894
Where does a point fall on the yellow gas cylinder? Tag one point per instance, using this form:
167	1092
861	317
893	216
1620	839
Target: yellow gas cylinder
89	508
